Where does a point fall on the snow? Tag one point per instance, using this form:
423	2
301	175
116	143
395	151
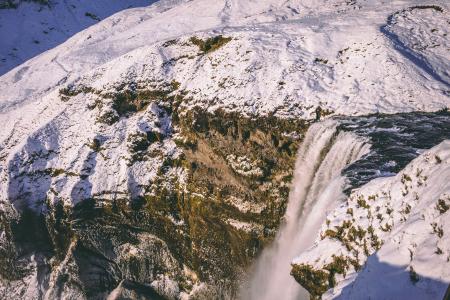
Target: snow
337	59
406	213
33	28
245	206
62	142
419	35
242	165
245	226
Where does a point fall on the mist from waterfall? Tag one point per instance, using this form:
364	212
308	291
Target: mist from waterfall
317	186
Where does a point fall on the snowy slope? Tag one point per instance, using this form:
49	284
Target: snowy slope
286	68
418	35
333	55
32	27
393	228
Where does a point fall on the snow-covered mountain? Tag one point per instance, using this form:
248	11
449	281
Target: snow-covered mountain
151	154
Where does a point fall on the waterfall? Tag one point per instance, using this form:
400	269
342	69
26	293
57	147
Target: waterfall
316	187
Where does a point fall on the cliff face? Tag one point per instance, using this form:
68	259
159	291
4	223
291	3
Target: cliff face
144	193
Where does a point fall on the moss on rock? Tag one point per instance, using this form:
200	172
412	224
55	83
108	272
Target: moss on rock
316	282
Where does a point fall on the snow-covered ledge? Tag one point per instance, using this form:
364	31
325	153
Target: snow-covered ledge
388	239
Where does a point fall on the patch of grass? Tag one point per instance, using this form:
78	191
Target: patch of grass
175	85
314	281
57	172
356	233
405	178
407	209
331	234
362	203
71	91
321	60
442	206
110	117
339	265
211	44
438	230
139	142
129	101
438	159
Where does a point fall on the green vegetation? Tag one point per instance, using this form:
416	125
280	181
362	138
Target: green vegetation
71	90
386	227
405	178
339	265
211	44
139	142
362	203
316	282
438	230
211	137
60	228
407	209
128	101
442	206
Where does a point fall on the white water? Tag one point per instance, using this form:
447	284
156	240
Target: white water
316	188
